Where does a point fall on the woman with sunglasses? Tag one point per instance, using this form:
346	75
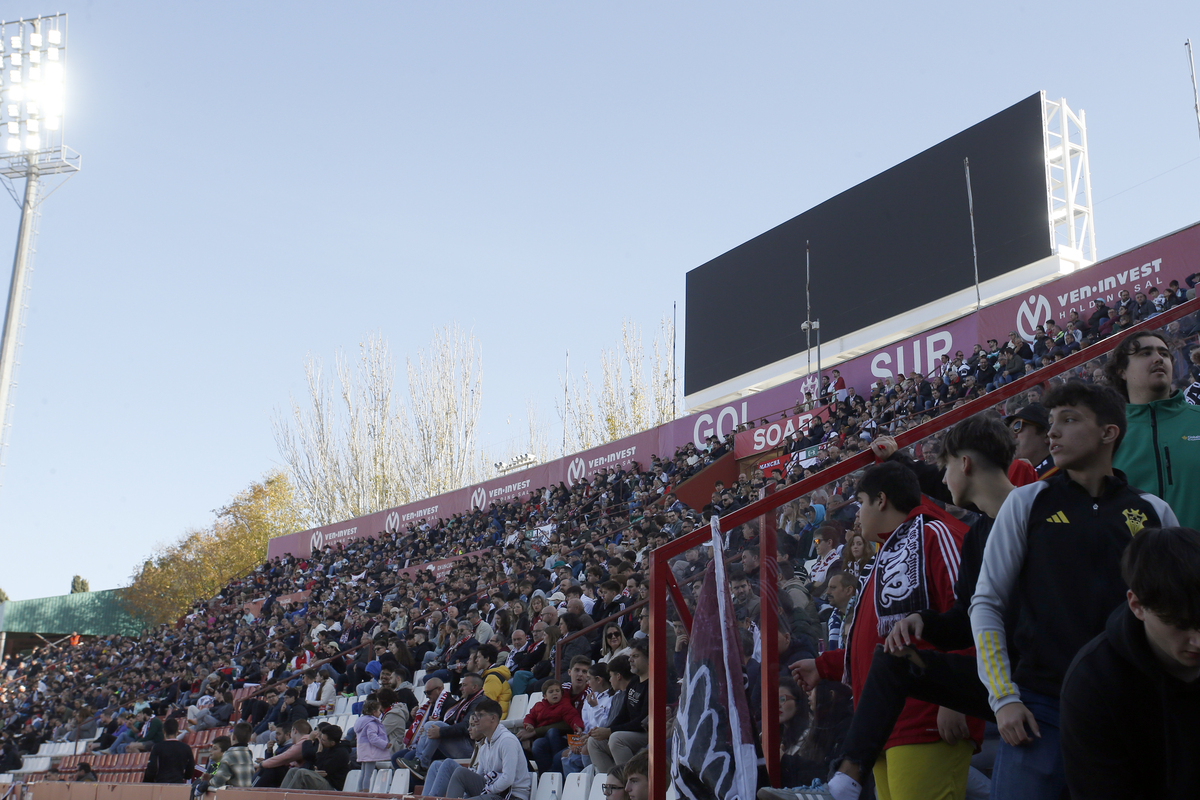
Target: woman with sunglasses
615	644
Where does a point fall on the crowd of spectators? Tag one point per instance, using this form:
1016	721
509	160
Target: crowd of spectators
350	619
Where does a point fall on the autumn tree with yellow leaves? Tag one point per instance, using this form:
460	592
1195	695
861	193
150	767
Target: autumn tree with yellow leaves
201	562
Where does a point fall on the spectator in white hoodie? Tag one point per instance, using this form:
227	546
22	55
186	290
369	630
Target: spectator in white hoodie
500	769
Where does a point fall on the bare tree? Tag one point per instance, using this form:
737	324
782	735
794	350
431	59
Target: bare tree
631	398
439	427
354	448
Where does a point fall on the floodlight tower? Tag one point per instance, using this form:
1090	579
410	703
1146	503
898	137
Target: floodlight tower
33	54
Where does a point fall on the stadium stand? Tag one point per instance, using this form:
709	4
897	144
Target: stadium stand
525	604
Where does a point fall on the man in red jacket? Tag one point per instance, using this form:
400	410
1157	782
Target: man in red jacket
916	569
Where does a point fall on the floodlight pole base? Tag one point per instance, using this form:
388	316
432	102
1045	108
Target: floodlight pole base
16	300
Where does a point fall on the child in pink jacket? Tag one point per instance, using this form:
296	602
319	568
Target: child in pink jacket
372	741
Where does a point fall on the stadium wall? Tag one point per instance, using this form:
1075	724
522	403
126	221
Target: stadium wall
1171	257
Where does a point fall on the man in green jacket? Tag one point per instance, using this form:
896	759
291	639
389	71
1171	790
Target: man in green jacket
1161	451
153	734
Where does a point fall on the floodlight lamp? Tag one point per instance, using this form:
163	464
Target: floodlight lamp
52	123
35	73
32	108
14	75
15	58
15	42
32	142
35	56
55	37
14	128
31	125
14	110
13	144
52	53
35	40
54	70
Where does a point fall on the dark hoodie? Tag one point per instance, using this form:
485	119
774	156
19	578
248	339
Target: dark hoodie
1129	729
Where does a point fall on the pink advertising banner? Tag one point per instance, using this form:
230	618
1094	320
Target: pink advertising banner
1172	257
622	453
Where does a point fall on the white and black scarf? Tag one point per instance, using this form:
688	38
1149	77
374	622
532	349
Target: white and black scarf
899	575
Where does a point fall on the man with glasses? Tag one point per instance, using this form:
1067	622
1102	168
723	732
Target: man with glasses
1161	451
1030	428
430	711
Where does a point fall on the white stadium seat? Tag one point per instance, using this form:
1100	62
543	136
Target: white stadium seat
34	764
597	791
517	710
577	786
549	787
381	781
401	780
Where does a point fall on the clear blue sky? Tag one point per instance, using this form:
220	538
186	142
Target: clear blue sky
267	180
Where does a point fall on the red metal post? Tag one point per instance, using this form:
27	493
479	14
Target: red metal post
659	759
684	614
768	588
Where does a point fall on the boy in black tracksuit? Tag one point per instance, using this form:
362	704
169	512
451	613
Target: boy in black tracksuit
1131	699
1054	558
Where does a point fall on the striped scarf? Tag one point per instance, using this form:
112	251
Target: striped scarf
899	575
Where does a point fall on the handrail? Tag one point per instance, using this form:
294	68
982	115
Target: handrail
582	631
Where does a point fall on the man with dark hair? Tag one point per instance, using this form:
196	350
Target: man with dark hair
147	732
331	763
495	675
1084	517
273	769
1163	452
744	596
171	760
916	569
1131	699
